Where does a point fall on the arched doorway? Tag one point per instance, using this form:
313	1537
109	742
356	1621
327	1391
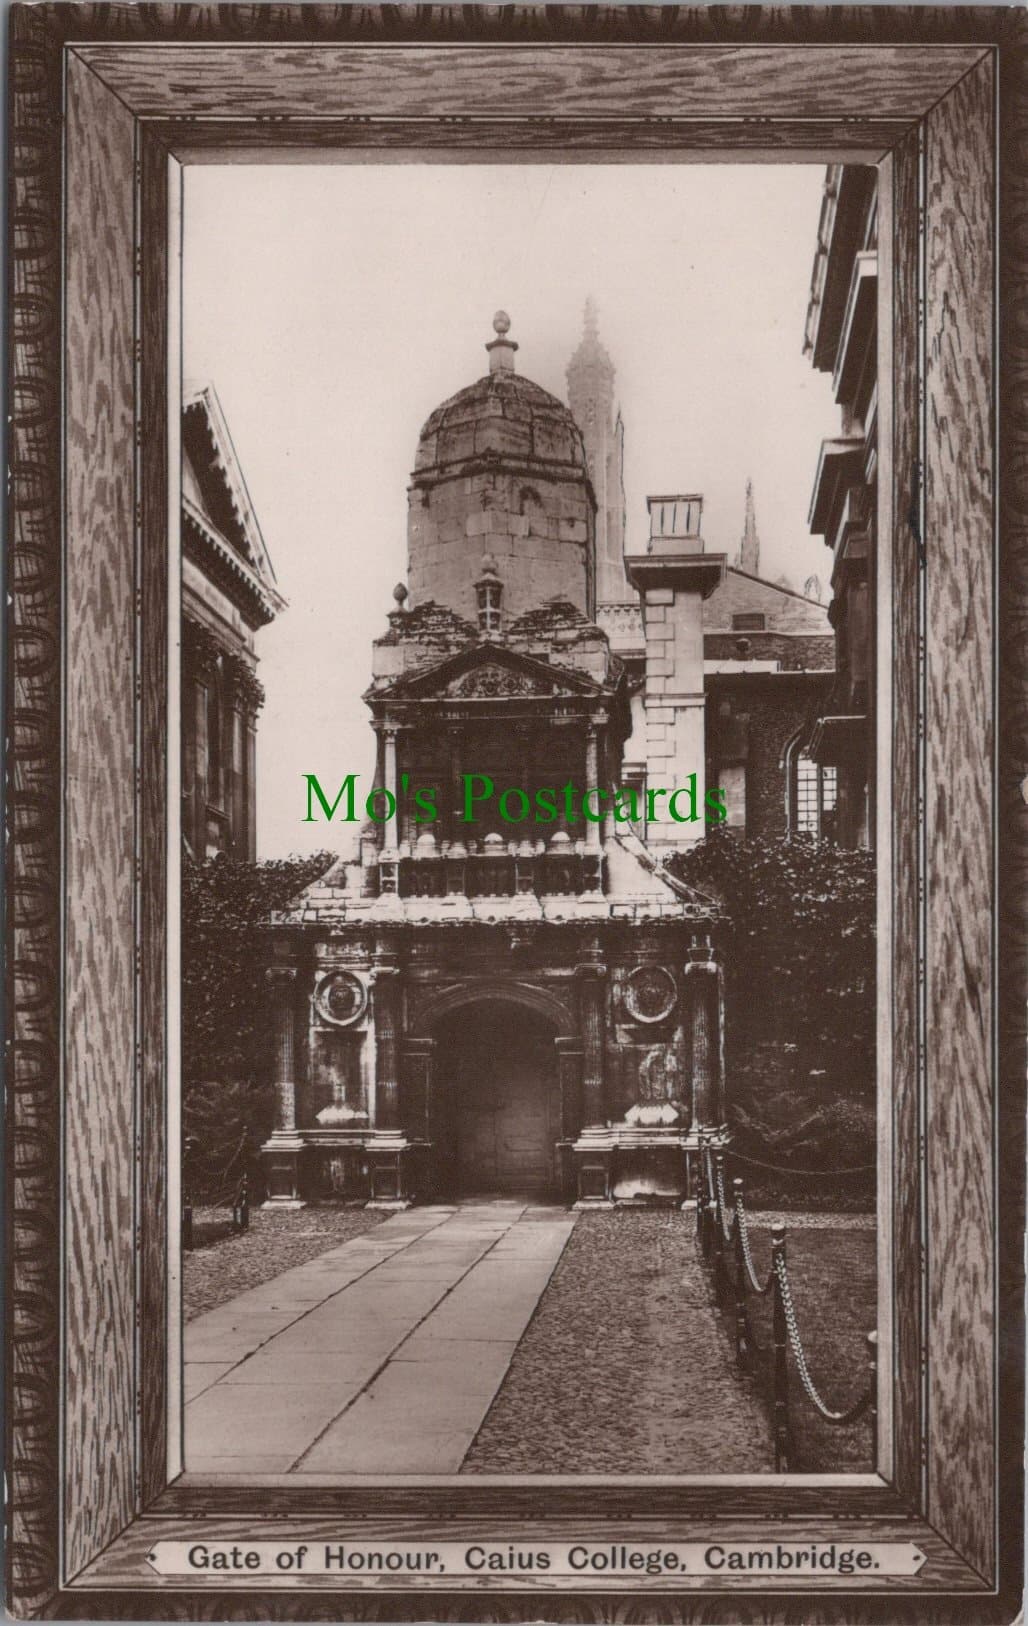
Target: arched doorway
496	1067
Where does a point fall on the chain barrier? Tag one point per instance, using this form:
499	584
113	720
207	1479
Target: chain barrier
783	1168
850	1414
717	1226
744	1238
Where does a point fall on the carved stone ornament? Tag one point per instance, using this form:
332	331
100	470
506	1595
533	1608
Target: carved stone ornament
650	994
341	999
490	682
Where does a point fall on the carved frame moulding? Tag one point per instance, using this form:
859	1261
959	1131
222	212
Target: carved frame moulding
109	102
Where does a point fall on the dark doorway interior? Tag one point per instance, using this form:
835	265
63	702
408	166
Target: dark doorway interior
497	1065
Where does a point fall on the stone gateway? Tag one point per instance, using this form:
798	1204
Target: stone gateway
487	1008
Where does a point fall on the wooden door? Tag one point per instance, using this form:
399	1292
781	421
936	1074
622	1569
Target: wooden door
506	1108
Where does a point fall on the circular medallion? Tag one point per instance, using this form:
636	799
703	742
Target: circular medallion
650	993
341	998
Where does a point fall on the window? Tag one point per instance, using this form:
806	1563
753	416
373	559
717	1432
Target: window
816	793
489	590
489	606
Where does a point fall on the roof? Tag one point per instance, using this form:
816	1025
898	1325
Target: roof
639	889
216	501
500	415
785	609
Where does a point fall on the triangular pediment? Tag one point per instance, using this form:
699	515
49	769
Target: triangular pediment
214	490
488	671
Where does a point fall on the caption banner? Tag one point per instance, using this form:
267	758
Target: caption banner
502	1562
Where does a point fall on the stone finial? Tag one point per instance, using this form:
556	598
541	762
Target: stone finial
400	595
590	324
501	349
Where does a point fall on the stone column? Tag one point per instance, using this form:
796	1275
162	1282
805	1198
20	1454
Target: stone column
389	763
703	981
283	1153
592	777
250	743
282	979
387	1027
591	994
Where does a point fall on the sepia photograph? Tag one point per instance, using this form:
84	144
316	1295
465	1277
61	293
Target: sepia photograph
517	735
528	778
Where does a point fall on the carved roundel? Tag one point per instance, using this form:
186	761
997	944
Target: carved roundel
341	998
650	993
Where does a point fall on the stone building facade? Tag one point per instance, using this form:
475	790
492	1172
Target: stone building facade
506	1004
841	339
228	593
766	652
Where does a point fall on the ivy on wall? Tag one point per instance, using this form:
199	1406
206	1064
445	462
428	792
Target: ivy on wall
226	1013
799	947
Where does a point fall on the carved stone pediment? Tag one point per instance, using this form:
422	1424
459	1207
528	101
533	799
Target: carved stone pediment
491	681
490	673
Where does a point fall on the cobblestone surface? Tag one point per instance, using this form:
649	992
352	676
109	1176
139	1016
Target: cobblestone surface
274	1242
625	1366
795	1221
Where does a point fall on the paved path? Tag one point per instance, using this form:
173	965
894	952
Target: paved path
381	1356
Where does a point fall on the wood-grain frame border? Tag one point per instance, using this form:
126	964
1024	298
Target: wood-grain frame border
91	119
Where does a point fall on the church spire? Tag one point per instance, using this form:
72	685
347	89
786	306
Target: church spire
590	375
749	551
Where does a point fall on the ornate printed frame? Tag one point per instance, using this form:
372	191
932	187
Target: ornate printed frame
107	102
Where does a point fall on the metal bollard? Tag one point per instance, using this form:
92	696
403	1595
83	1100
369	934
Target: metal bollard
720	1269
780	1356
741	1338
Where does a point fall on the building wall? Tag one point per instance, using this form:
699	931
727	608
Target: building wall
793	652
750	722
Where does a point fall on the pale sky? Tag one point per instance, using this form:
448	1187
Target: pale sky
332	307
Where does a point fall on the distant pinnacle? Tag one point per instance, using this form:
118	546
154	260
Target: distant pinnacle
749	553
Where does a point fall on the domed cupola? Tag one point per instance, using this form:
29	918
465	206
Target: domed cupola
501	469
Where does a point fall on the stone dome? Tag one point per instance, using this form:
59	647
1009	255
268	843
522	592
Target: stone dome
500	416
501	511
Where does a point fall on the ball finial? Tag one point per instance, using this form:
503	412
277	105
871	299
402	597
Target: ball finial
400	595
501	322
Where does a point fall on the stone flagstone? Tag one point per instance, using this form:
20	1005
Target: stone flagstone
381	1356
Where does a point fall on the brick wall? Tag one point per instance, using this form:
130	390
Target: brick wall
750	720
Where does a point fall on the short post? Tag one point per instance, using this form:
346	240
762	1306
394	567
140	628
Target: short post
872	1378
741	1340
780	1354
720	1269
699	1186
189	1146
241	1207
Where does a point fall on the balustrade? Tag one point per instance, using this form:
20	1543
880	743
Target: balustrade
491	868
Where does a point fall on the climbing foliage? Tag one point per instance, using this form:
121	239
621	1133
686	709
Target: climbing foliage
799	946
226	1012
